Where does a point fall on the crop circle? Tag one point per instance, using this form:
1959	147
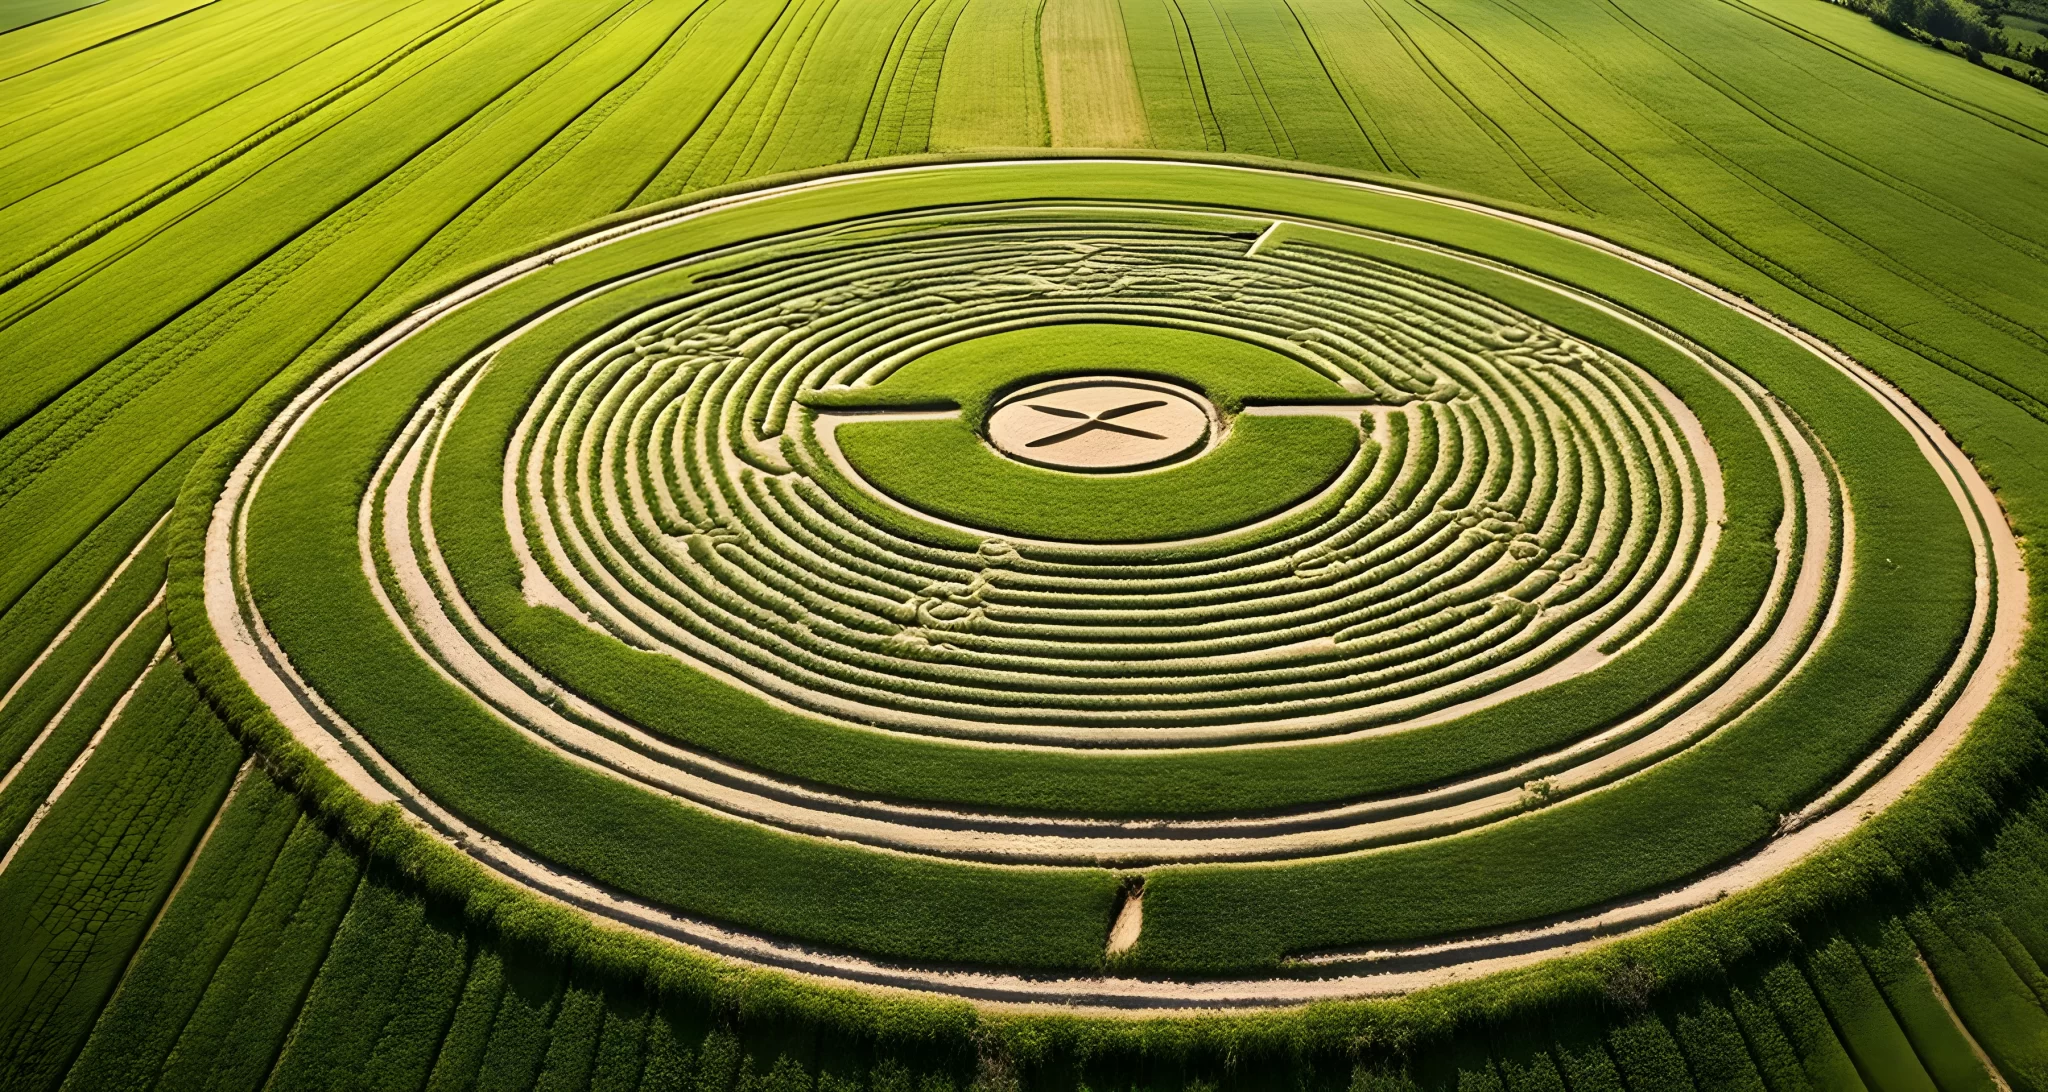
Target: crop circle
999	537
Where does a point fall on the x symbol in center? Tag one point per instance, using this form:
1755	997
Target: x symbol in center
1090	423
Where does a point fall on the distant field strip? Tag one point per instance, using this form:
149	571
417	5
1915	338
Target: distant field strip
635	528
1091	92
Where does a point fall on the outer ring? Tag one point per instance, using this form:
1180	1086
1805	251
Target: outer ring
1997	624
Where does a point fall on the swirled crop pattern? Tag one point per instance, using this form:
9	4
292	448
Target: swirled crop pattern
1523	493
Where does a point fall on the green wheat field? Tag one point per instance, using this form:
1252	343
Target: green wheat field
944	545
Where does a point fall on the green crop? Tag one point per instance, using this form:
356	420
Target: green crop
697	594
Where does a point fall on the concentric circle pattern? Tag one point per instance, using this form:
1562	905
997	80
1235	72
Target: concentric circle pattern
1522	494
896	571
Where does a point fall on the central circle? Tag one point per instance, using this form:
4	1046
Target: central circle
1101	423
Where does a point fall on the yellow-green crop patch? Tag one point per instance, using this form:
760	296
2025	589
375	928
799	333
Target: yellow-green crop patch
890	572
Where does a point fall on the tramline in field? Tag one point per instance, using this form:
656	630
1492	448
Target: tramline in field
1417	572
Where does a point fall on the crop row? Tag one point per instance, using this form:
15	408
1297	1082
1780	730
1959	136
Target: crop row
82	889
403	988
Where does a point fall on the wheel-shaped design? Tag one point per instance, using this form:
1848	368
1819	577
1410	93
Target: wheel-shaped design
890	573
